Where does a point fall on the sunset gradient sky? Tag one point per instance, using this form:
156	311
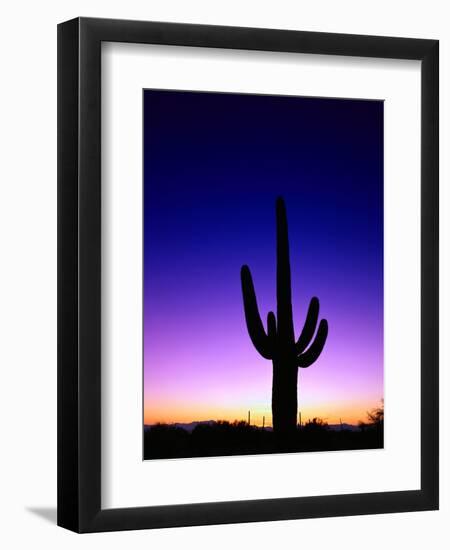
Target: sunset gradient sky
214	165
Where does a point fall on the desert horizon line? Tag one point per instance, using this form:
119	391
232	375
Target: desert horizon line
256	424
256	419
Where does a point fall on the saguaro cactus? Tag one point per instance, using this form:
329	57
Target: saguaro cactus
279	343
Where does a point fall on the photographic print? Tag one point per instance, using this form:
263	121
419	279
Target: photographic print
262	274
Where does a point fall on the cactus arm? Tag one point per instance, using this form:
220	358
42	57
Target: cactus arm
315	349
309	327
284	299
254	324
272	330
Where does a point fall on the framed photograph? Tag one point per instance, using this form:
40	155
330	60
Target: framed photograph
247	275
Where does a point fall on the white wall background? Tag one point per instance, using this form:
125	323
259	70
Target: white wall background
28	271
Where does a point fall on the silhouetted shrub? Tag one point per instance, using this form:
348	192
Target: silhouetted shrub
315	425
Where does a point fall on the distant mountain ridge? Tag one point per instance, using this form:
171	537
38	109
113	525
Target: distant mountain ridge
190	426
343	426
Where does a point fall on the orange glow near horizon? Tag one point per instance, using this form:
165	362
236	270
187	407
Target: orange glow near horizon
333	413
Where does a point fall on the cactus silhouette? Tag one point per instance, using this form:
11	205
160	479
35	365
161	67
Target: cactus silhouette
279	343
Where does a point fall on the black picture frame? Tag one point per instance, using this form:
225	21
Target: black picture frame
79	274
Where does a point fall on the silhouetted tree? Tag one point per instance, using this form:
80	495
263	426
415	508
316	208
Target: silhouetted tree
279	344
376	416
375	419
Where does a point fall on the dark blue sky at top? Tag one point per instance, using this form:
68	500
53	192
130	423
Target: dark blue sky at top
214	164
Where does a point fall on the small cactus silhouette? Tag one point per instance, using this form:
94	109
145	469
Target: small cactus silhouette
279	344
